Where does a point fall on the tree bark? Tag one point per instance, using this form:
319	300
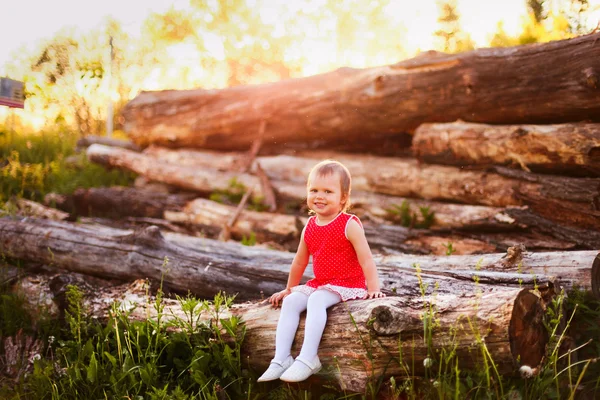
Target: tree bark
363	105
363	339
205	267
581	238
578	199
118	201
517	266
284	230
560	149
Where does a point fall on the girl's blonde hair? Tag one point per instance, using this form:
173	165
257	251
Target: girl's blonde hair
328	167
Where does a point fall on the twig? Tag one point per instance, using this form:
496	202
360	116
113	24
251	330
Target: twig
225	234
256	145
267	188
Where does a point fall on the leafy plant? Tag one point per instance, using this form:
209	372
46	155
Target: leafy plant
449	249
250	240
403	215
233	195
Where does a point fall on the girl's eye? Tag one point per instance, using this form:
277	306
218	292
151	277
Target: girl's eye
328	191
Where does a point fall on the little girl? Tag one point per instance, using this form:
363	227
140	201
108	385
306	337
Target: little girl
343	266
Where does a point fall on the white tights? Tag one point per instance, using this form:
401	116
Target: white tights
316	306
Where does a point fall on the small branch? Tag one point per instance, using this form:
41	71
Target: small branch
225	234
256	145
269	193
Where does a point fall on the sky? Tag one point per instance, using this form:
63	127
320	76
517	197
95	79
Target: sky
26	22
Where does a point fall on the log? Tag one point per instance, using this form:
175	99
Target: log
285	230
578	199
200	180
581	238
559	149
362	105
508	320
204	266
24	207
158	160
572	268
89	140
292	169
118	201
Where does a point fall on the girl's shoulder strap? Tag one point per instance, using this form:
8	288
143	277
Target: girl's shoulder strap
354	217
350	218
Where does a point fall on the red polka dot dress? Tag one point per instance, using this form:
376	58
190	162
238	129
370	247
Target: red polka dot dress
335	263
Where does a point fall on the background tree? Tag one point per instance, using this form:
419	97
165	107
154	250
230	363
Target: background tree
454	40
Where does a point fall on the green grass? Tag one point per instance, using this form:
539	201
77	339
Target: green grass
187	358
121	358
32	165
403	215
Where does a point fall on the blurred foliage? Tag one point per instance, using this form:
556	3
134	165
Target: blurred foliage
544	24
454	40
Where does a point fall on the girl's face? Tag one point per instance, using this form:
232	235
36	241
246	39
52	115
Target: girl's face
325	196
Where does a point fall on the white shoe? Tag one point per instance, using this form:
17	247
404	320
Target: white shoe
301	370
275	369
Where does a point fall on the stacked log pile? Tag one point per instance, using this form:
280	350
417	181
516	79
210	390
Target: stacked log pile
487	155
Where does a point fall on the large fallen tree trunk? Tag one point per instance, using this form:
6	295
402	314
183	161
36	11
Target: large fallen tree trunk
285	231
354	105
560	149
508	321
578	199
205	267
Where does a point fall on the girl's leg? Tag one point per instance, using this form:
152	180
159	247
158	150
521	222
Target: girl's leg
293	305
316	318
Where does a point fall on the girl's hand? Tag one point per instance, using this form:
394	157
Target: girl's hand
279	296
375	294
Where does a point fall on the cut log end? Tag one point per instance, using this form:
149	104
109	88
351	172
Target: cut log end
527	334
389	322
596	277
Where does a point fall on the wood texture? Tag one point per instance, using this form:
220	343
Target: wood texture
496	85
205	266
509	320
569	201
561	149
120	201
284	230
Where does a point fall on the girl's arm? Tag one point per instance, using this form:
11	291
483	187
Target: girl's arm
296	271
356	235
